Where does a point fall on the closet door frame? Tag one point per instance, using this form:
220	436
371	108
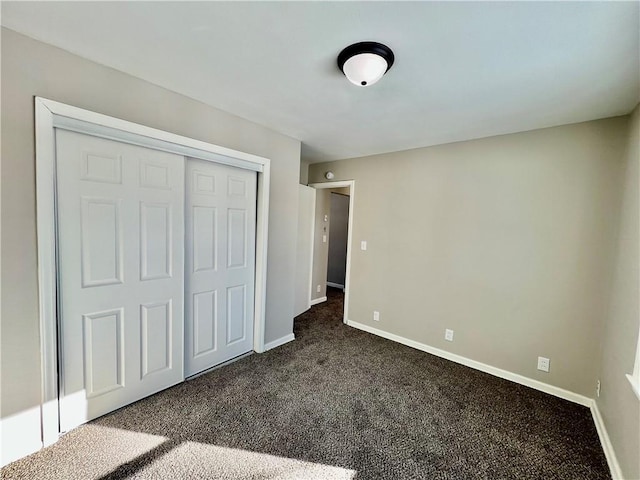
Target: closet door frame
50	115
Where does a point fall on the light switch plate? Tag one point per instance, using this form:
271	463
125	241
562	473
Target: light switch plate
363	245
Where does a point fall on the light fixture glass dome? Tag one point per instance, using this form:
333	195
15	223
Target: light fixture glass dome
365	69
365	63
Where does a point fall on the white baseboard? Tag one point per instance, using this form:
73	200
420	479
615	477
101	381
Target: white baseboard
20	435
316	301
280	341
335	285
483	367
614	466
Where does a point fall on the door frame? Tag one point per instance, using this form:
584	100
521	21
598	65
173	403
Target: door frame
50	115
352	195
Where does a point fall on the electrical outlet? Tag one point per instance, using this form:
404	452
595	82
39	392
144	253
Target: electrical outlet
363	245
543	364
376	316
324	239
448	335
318	288
598	389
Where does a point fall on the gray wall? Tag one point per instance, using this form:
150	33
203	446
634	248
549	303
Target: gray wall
506	240
304	172
619	406
338	231
31	68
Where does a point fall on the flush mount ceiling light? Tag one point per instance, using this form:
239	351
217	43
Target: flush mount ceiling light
365	63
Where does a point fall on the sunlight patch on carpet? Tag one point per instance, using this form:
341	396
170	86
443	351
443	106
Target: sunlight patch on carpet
191	459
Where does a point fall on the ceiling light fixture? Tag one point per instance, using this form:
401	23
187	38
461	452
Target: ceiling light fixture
365	63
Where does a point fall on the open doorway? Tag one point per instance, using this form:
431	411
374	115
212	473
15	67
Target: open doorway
332	240
338	231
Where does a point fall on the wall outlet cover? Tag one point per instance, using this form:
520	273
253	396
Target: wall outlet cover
448	335
543	364
376	316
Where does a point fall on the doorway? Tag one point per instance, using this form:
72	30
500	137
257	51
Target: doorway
338	233
322	242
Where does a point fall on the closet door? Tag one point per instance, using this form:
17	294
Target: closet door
220	263
121	273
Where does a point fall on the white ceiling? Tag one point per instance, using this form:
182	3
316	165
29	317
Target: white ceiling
463	70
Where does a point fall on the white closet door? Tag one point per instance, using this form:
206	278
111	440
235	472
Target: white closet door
220	264
121	273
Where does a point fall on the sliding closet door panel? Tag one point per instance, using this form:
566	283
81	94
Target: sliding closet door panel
220	263
121	273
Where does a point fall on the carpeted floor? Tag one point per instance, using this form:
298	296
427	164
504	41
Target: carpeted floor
336	403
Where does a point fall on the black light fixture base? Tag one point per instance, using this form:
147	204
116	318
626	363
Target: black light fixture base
366	47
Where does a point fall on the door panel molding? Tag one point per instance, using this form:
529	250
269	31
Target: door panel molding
150	354
113	335
89	236
50	115
152	238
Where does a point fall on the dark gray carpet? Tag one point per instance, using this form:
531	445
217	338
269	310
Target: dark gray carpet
336	403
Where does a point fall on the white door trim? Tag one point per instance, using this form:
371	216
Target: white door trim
352	195
50	115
